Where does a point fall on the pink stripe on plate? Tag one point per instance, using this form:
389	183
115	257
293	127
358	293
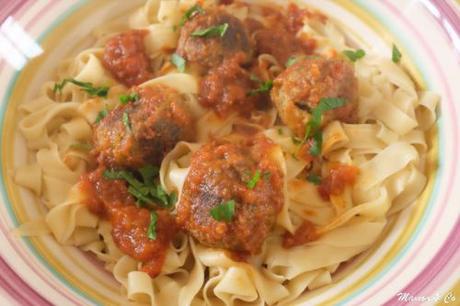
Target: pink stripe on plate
452	112
14	286
22	290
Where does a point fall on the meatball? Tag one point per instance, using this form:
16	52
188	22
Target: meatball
126	59
209	51
220	172
300	88
143	132
225	88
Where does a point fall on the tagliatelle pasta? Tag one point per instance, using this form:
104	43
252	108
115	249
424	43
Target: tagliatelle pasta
378	139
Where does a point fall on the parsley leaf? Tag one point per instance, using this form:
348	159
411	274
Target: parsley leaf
291	61
126	122
132	97
196	9
219	30
224	211
86	147
314	179
147	191
396	55
179	62
152	229
254	180
354	55
317	143
264	87
148	173
85	86
312	128
101	115
325	104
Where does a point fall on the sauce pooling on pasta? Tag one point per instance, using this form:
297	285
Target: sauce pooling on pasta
235	190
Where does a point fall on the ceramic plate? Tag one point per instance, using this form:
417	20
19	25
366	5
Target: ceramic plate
417	258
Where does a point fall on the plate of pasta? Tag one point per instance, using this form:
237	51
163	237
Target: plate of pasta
235	152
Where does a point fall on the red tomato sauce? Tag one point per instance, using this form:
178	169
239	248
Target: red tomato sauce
338	178
111	200
126	58
226	88
305	233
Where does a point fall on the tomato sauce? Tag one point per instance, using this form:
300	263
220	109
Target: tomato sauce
111	200
126	58
305	233
338	178
226	88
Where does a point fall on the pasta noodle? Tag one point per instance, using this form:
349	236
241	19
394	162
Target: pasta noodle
387	145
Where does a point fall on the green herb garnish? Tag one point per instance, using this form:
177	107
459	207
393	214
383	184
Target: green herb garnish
224	211
132	97
312	128
214	31
314	179
317	143
325	104
179	62
354	55
152	229
145	191
296	140
196	9
126	121
291	61
254	180
396	55
263	88
101	115
85	86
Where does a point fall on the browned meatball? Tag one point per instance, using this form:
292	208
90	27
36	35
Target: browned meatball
126	58
300	88
211	50
142	132
219	173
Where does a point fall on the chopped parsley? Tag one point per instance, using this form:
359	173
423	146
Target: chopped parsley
85	86
196	9
254	180
314	179
354	55
263	88
291	61
280	131
152	229
101	115
296	140
144	186
224	211
126	121
132	97
179	62
85	147
312	128
396	55
255	78
214	31
316	143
